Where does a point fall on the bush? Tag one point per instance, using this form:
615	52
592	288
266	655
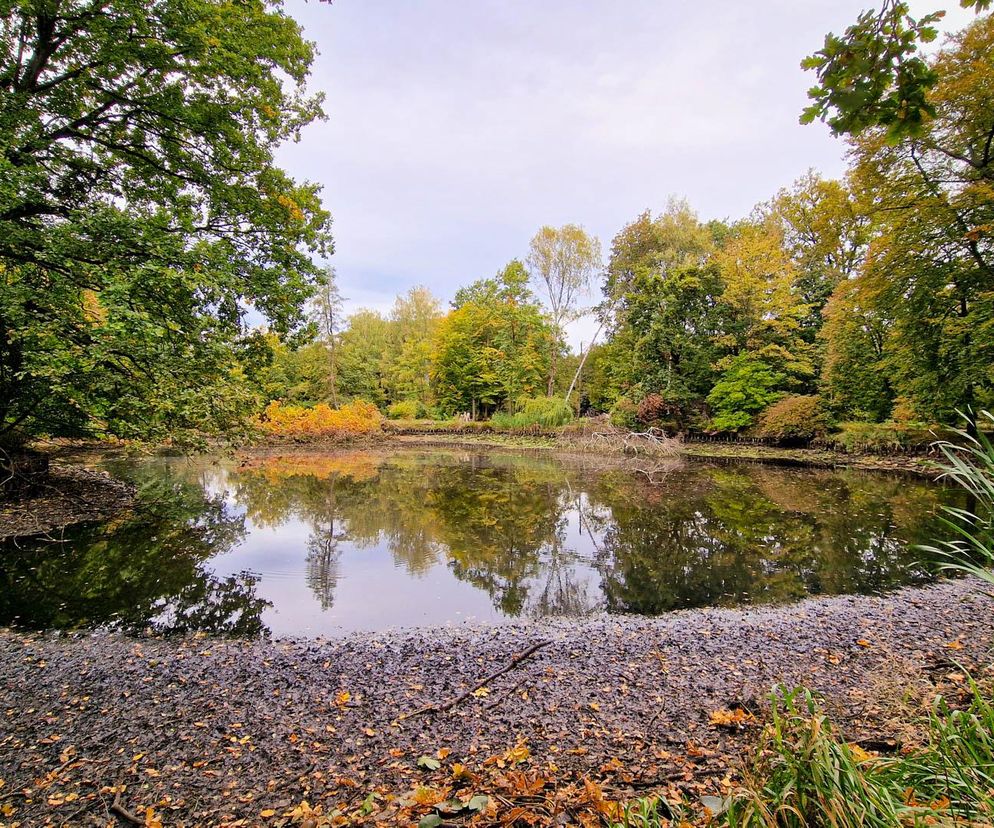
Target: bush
654	408
543	412
795	419
746	386
881	438
406	410
624	414
356	418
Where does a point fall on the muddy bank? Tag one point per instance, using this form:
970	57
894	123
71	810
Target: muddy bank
68	494
207	732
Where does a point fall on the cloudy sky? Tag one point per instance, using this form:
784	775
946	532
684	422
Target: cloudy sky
457	128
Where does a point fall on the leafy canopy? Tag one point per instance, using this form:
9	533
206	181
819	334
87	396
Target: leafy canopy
141	211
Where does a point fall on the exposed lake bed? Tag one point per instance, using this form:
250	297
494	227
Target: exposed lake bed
211	731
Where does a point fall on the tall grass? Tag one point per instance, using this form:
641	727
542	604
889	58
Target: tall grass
969	464
805	775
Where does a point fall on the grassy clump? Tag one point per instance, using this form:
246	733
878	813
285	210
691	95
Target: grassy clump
969	464
804	775
536	412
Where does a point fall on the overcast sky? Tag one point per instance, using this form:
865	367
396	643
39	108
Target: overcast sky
457	128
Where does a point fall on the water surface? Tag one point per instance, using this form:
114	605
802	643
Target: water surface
360	540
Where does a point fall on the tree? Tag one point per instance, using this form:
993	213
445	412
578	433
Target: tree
763	308
930	265
563	262
363	351
141	210
414	320
747	385
326	313
873	75
494	347
825	232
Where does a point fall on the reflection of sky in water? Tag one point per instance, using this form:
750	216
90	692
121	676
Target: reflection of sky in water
348	541
372	590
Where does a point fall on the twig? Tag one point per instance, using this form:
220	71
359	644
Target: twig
514	662
117	808
503	696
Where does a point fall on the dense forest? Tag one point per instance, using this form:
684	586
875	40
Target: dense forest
142	217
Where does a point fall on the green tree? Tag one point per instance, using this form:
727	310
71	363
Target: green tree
494	347
363	357
141	211
415	318
746	386
874	75
326	313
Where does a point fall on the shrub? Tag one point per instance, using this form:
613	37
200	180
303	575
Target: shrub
405	410
624	414
654	408
543	412
351	420
798	418
746	386
881	438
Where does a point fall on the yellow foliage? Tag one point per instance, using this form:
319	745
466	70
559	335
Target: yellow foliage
351	420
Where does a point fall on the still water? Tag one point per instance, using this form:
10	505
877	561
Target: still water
359	540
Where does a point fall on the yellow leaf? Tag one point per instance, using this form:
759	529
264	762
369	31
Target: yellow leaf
737	718
481	692
864	643
343	698
955	645
267	813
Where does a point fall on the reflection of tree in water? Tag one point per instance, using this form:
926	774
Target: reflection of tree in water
144	570
716	536
702	535
322	563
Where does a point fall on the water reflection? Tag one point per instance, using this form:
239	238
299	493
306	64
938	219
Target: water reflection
361	540
145	571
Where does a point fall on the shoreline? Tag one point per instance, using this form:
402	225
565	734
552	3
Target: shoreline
222	730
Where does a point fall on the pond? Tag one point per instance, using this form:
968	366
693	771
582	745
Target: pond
324	544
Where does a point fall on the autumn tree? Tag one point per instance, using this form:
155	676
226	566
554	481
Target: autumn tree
563	261
930	263
141	209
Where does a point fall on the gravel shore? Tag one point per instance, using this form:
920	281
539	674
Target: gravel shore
209	732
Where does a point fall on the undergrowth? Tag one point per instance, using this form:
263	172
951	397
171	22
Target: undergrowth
803	774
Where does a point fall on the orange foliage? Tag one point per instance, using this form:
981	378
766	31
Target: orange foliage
351	420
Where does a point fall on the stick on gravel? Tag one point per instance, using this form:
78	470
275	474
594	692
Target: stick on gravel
514	662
